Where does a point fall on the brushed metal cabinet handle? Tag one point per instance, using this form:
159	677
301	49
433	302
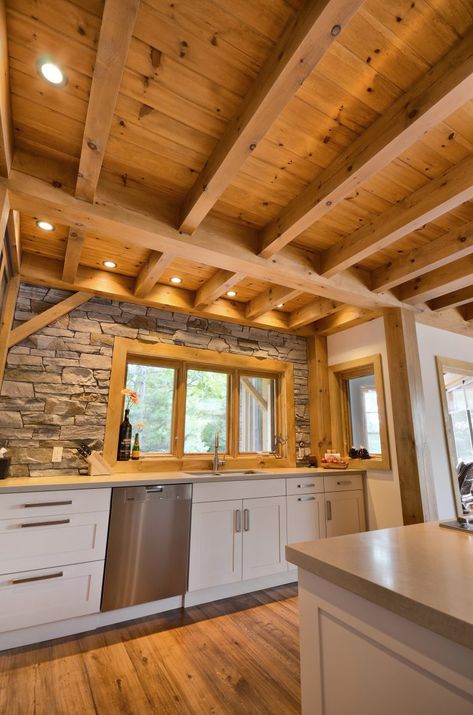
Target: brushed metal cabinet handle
299	486
329	510
45	523
342	483
305	498
237	521
30	579
47	503
246	519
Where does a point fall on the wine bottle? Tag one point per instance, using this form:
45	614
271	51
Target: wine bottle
135	452
124	440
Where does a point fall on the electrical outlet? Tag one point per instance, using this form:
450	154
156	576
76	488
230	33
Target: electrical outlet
57	454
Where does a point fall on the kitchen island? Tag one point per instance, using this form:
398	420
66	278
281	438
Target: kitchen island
386	620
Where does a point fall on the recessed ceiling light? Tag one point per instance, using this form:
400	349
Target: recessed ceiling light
45	225
175	279
51	72
231	293
280	305
109	264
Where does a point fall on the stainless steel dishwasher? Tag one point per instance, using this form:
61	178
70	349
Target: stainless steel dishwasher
148	544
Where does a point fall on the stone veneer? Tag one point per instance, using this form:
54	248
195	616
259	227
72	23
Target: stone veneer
56	384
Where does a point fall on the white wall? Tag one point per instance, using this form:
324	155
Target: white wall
432	342
382	487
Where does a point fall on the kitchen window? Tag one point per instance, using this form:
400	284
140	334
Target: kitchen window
188	395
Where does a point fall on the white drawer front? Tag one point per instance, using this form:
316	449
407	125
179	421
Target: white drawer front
305	485
55	594
249	489
40	542
70	501
340	482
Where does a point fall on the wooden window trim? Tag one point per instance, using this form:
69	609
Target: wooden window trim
340	413
127	349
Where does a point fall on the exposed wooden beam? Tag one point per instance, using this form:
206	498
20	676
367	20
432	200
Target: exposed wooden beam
452	300
6	123
443	194
218	243
24	330
446	279
6	320
466	312
151	272
45	271
14	240
446	249
319	399
269	299
75	242
215	287
318	308
345	318
293	58
116	30
431	99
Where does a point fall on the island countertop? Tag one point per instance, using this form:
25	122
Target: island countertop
421	572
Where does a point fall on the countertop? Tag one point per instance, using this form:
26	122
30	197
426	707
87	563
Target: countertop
421	572
29	484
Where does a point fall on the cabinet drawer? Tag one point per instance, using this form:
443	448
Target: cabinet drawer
340	482
305	485
41	542
248	489
33	597
71	501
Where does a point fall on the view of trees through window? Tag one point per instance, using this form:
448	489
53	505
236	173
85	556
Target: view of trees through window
460	407
206	411
155	387
364	413
257	414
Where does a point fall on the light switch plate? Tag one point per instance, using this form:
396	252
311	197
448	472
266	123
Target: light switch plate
57	454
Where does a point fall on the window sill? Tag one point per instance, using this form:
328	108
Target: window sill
375	463
173	464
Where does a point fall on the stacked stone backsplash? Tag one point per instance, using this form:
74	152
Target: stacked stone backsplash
56	385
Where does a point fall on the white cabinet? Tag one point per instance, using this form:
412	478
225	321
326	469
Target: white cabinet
344	512
305	519
264	536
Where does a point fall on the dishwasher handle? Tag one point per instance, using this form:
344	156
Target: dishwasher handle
154	488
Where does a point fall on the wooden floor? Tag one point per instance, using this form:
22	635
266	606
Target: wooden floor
238	656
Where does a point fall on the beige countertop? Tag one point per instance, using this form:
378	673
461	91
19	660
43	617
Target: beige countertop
421	572
29	484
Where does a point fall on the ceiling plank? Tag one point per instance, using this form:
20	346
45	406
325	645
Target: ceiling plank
443	194
28	327
151	272
435	96
14	240
6	122
315	310
215	287
48	272
299	50
347	317
269	299
218	243
455	299
115	36
75	242
446	279
453	245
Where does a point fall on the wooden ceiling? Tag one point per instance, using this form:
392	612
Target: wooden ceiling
314	157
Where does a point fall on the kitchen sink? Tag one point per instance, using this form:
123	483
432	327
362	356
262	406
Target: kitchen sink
226	473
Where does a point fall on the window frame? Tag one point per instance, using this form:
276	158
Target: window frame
340	414
182	358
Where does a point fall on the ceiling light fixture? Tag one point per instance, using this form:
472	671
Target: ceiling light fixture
109	264
280	305
51	72
175	279
231	293
45	225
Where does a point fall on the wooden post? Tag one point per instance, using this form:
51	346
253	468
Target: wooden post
319	401
6	321
407	398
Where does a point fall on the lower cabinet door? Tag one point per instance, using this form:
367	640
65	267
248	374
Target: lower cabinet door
30	598
216	539
264	536
305	519
344	513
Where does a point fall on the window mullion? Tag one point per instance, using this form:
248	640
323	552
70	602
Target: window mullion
179	422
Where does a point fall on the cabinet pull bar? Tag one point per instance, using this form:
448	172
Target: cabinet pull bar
340	484
246	519
237	521
305	498
37	578
47	503
45	523
329	510
299	486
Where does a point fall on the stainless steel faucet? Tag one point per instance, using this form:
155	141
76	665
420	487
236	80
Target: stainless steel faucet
216	461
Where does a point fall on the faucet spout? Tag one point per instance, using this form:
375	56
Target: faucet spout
216	461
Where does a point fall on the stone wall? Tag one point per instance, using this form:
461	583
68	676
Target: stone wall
56	384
